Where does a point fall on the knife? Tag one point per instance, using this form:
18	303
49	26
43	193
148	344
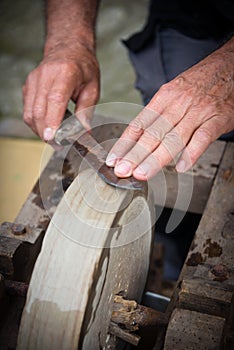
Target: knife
71	132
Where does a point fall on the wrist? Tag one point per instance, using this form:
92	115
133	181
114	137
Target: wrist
72	47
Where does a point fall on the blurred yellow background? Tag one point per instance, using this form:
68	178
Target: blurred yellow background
21	164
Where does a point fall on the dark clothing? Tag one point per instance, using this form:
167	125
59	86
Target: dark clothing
200	19
168	54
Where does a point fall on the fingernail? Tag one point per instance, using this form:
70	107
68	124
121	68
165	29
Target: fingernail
181	166
123	168
48	134
142	170
111	159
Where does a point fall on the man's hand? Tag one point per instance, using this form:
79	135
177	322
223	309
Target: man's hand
69	69
185	115
60	77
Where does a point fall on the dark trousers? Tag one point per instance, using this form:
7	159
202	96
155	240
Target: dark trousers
168	54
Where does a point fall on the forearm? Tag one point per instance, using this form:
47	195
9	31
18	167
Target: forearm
70	23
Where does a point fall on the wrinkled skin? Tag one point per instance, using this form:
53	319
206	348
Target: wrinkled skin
185	115
69	69
62	75
182	118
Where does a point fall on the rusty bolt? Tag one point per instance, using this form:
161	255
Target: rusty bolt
219	273
18	229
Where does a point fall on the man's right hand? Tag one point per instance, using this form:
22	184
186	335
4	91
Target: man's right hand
62	75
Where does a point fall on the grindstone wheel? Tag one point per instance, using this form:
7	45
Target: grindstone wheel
97	245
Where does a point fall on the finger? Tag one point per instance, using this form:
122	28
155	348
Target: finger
57	101
29	92
201	139
148	168
131	135
147	143
172	144
39	112
168	102
86	102
169	149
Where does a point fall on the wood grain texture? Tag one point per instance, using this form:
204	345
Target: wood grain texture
211	297
97	245
191	330
210	260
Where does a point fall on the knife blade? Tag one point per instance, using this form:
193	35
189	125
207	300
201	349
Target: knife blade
72	133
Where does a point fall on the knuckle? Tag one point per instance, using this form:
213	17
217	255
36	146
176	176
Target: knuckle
31	77
175	88
97	95
38	112
135	127
154	134
27	118
56	97
36	118
174	141
150	139
63	68
43	91
179	80
67	68
94	91
204	134
163	88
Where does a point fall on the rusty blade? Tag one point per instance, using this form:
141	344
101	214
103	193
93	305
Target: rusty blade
71	132
95	155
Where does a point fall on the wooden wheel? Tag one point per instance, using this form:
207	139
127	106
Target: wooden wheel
97	245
